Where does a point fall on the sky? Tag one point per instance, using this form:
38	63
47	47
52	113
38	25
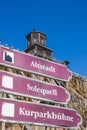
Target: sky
63	21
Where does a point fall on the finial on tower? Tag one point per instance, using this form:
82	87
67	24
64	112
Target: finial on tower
34	30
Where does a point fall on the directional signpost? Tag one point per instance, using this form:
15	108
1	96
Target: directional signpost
34	64
32	88
30	113
38	114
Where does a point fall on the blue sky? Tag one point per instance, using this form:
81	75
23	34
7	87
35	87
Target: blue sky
63	21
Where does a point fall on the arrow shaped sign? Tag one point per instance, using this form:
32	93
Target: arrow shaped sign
34	64
19	85
38	114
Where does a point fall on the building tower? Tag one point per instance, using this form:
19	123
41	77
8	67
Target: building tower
36	45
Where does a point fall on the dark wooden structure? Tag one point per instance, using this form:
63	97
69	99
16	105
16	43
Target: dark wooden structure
36	45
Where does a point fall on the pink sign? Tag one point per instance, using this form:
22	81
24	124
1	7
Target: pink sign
32	88
38	114
33	64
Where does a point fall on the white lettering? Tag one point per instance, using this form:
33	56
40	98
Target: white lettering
41	90
42	67
46	114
